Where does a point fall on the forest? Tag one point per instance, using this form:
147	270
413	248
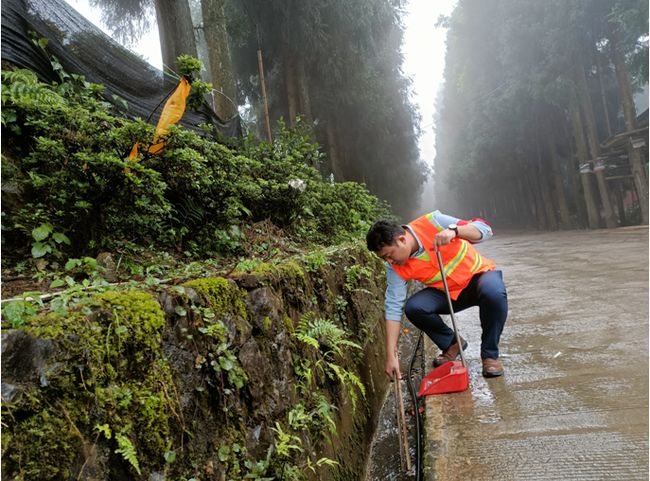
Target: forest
334	65
537	126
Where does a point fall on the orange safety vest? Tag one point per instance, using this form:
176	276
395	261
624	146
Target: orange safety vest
459	258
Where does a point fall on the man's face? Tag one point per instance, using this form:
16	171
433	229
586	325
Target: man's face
397	252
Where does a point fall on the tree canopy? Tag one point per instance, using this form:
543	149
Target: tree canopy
529	87
336	65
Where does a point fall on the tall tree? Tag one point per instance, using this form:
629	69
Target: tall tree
129	19
629	114
175	30
337	65
593	142
219	58
518	114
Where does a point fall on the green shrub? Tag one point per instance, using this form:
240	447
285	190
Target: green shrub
66	152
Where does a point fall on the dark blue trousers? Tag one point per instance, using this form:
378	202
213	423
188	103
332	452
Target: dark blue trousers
486	290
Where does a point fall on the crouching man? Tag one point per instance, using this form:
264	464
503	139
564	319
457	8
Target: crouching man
409	252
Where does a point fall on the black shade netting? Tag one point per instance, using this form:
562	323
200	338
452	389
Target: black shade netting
84	49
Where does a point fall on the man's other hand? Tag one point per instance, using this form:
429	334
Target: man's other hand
443	238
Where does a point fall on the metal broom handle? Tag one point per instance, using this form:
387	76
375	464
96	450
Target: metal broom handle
451	309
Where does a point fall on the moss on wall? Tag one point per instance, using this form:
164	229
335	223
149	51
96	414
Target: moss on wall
132	391
107	381
222	295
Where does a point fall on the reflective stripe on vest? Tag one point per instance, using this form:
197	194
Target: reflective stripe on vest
450	266
459	259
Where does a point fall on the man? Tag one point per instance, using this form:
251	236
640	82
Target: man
409	251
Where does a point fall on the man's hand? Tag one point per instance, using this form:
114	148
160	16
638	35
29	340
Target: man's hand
392	367
443	238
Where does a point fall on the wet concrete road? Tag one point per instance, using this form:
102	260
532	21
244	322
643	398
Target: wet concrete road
573	404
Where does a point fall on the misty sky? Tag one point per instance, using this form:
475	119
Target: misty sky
424	61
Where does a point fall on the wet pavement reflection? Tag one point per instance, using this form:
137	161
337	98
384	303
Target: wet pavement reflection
573	404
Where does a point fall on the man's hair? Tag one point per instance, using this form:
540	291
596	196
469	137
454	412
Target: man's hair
383	233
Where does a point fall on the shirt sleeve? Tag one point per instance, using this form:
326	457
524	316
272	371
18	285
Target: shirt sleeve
446	220
395	299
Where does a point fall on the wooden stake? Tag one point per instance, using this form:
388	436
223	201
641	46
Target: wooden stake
405	442
266	102
399	424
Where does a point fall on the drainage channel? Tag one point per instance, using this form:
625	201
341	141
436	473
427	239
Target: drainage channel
384	461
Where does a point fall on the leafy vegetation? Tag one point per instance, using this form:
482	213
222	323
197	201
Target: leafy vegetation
329	343
337	66
121	393
199	207
76	192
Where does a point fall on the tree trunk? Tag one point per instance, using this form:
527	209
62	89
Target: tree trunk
629	112
620	193
175	30
594	146
576	197
221	69
545	191
523	207
333	150
558	184
303	91
290	82
593	217
625	89
265	100
540	212
603	97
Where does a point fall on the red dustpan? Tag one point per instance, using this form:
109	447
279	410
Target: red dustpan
453	375
450	377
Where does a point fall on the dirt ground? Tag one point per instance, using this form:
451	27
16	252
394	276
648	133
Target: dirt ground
573	403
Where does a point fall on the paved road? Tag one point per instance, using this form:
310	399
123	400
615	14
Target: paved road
573	404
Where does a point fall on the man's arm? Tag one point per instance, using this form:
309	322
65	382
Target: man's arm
392	361
396	291
475	231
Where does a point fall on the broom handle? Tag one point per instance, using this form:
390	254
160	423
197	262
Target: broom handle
451	308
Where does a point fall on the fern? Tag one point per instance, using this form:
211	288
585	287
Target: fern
349	381
22	86
298	418
323	332
104	429
306	374
127	450
325	411
310	341
326	462
286	442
